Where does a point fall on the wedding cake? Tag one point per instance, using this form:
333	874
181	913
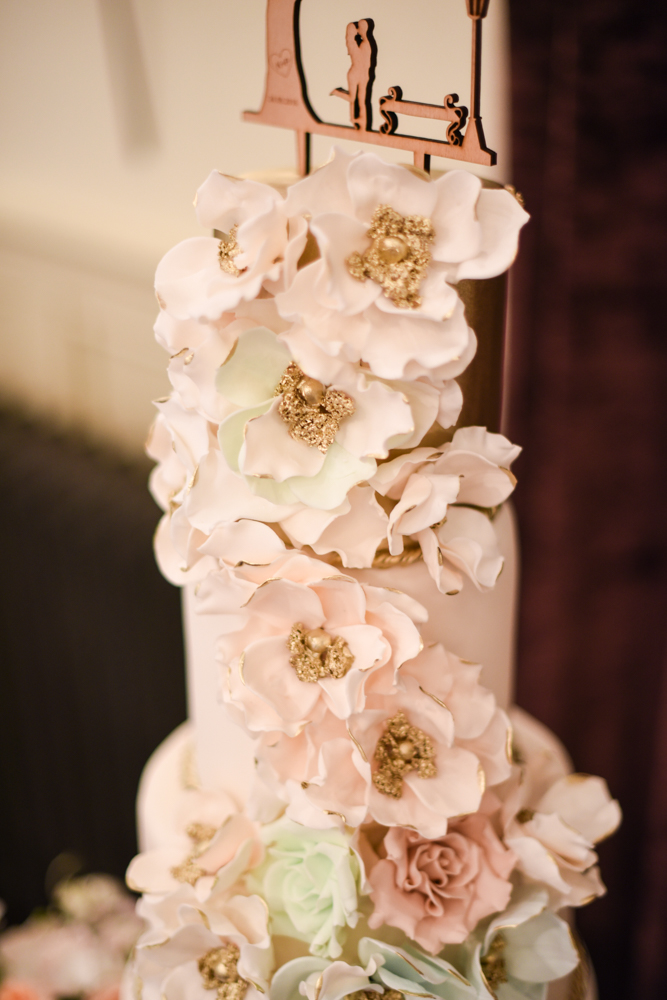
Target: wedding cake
355	808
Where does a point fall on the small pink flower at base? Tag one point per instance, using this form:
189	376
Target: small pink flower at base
16	989
437	891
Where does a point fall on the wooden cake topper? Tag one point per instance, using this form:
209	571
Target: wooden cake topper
286	100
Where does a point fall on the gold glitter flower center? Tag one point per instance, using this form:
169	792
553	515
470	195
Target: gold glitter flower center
227	250
402	748
398	257
312	411
372	995
189	871
493	963
218	969
316	654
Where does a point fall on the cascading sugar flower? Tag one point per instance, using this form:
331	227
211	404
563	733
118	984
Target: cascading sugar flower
221	943
315	340
445	499
204	277
325	772
294	439
391	245
300	648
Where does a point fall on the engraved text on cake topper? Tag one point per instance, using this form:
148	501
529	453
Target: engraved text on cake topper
286	101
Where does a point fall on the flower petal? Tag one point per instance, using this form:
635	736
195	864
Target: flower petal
250	376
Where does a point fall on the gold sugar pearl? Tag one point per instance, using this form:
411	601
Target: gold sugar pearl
311	391
407	749
392	249
318	640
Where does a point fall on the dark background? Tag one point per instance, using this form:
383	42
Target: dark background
92	668
588	402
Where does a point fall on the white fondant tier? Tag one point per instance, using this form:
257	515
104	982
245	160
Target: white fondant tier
477	627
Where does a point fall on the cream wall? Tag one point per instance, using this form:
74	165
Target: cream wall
112	112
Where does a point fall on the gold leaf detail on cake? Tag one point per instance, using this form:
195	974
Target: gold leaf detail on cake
493	964
312	411
227	250
398	257
316	654
218	969
402	748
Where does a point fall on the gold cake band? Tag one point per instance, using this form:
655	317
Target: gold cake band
383	558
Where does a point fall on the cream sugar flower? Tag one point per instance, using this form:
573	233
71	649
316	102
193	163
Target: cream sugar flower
553	819
260	443
297	649
473	234
472	471
203	277
188	941
328	773
213	523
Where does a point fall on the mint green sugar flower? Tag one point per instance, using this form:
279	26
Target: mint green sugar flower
310	881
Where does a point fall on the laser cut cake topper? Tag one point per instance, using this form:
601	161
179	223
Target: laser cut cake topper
287	105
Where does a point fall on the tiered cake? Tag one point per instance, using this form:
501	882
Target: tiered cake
354	808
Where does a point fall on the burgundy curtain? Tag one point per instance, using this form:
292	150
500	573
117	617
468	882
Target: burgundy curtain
588	401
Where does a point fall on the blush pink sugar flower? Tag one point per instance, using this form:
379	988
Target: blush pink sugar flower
261	682
437	891
326	772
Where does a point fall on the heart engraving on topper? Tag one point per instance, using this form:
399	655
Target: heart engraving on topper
281	62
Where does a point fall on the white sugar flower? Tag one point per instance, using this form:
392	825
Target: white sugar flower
390	245
444	497
203	277
294	439
552	822
405	760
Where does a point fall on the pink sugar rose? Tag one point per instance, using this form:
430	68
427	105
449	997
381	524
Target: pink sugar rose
436	891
